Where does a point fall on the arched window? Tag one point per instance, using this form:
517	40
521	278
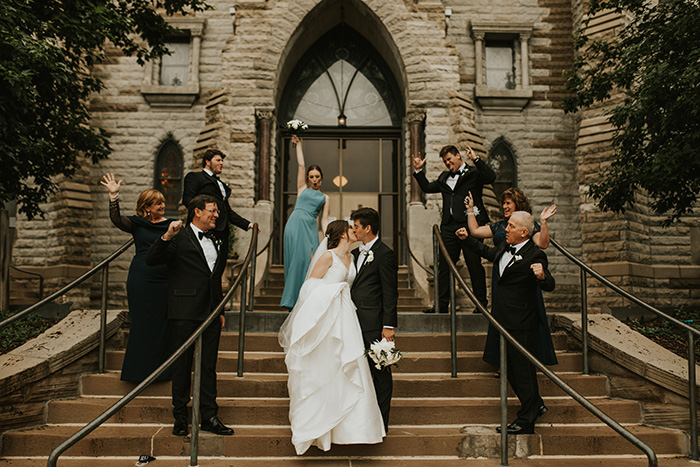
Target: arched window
168	176
502	162
342	81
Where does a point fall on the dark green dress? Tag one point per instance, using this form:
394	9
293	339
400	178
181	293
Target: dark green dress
147	293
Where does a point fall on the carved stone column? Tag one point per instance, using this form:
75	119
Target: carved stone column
415	119
265	117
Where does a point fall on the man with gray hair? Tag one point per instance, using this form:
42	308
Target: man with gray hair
519	267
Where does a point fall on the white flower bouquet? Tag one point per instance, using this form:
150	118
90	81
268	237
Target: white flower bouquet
297	125
383	353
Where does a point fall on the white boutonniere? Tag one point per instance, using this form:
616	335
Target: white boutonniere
517	259
370	257
297	125
383	353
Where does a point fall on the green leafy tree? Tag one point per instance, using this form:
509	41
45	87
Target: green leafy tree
652	70
48	49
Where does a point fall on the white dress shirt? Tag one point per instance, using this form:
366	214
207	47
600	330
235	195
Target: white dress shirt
452	178
364	252
208	246
219	182
508	257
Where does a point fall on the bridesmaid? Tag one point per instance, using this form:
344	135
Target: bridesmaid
301	230
146	286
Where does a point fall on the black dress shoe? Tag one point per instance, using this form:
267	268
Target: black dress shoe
180	427
215	426
542	410
515	429
432	310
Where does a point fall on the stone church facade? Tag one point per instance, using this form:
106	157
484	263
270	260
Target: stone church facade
377	80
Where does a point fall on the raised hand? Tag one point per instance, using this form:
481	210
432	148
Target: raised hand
469	202
548	212
112	185
418	162
471	154
173	230
538	270
295	140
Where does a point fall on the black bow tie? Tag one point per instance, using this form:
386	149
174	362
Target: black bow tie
511	250
207	234
456	174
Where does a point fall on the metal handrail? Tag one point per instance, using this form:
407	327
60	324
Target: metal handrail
410	252
32	273
505	336
105	262
194	339
692	334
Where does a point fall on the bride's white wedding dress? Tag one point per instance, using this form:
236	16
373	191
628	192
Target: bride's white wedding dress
331	394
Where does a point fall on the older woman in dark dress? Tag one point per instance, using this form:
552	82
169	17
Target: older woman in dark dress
146	286
513	200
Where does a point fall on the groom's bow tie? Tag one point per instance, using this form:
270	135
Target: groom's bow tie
208	234
511	250
364	248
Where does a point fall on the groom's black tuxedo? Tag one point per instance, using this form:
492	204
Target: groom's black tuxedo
375	294
193	292
201	183
515	306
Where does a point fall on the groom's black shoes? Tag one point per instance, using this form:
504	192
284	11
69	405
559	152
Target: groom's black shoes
432	310
515	429
215	426
180	427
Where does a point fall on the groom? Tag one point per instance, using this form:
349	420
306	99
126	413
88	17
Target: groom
375	294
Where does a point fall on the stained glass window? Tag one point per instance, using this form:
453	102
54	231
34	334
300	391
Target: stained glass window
502	162
168	176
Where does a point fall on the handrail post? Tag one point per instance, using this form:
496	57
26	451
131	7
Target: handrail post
103	319
692	398
436	258
504	400
241	322
196	395
584	322
253	263
453	325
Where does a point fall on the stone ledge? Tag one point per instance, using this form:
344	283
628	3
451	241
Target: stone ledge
661	271
62	344
629	349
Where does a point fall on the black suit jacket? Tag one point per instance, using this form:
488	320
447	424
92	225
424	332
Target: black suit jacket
201	183
514	299
472	180
375	290
193	290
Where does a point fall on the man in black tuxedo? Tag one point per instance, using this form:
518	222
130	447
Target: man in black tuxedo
455	184
195	265
375	293
207	182
519	267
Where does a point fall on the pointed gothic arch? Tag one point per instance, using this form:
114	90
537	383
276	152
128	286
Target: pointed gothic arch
502	161
167	174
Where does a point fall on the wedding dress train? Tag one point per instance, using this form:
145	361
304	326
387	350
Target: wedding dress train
331	394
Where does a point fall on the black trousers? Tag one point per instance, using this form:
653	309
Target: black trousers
522	377
383	382
182	369
454	247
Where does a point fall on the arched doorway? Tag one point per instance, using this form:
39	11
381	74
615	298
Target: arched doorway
342	88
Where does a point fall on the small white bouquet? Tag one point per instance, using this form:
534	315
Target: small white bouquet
297	125
383	353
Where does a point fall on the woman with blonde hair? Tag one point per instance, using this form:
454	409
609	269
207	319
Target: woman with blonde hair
146	286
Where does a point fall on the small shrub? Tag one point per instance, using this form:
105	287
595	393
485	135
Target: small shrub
19	332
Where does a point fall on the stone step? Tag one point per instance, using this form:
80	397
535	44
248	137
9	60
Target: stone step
353	461
277	292
413	362
426	385
268	342
402	440
262	301
404	411
279	282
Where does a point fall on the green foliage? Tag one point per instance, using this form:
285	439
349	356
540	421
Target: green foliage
668	335
18	332
654	62
232	253
47	53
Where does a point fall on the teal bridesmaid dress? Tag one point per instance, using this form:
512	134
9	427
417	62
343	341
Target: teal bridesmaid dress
300	242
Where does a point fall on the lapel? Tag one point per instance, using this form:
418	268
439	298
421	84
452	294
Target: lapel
198	247
365	265
463	177
213	180
522	252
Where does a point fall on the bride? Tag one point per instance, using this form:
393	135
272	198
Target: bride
331	394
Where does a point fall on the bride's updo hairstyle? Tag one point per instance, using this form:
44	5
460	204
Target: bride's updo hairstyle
334	231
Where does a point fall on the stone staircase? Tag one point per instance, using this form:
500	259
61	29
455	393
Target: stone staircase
434	417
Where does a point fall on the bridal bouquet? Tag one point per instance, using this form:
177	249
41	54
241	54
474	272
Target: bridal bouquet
383	353
297	125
